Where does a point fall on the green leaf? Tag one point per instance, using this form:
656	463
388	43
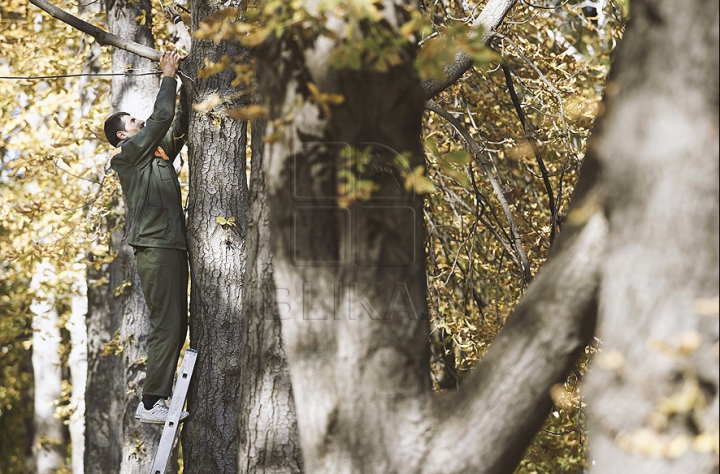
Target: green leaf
457	157
418	181
431	144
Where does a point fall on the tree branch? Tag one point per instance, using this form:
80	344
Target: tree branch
477	153
558	96
102	36
506	399
489	19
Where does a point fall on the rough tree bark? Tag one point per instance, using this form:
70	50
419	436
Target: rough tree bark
351	280
653	395
104	388
268	437
216	148
269	440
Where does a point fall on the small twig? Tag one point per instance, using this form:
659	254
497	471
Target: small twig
52	158
181	8
91	202
503	241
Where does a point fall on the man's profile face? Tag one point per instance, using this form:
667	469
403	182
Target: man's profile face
132	126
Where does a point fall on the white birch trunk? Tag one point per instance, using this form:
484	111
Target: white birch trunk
46	368
77	362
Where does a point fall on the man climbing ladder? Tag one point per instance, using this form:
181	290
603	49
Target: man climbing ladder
157	230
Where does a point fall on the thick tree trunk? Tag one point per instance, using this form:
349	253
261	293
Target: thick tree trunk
135	94
269	440
653	396
48	444
351	281
216	146
139	440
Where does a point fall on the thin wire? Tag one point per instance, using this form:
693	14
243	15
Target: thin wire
61	76
549	7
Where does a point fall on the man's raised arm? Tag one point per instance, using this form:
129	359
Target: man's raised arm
177	135
143	144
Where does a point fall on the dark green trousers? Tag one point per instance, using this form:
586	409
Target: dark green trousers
164	277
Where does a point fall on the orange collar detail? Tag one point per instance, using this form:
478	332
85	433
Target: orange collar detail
161	153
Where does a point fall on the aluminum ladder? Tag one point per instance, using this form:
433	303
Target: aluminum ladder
176	407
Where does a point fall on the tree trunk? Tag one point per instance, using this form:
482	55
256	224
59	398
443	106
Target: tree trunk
653	395
48	444
351	281
216	148
104	387
269	440
77	363
77	325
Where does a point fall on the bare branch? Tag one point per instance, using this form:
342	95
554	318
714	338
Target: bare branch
102	36
476	151
489	19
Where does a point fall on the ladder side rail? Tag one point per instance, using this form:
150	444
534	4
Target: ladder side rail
167	440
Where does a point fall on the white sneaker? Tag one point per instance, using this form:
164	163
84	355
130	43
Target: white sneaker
157	415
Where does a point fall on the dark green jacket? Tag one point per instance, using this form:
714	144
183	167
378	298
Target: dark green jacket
150	184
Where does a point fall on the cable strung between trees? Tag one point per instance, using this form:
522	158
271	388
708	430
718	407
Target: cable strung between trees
97	74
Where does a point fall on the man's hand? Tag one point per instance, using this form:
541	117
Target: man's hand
169	63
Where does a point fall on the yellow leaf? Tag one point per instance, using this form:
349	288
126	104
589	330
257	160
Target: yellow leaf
230	221
274	137
313	89
250	112
418	181
211	101
256	37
